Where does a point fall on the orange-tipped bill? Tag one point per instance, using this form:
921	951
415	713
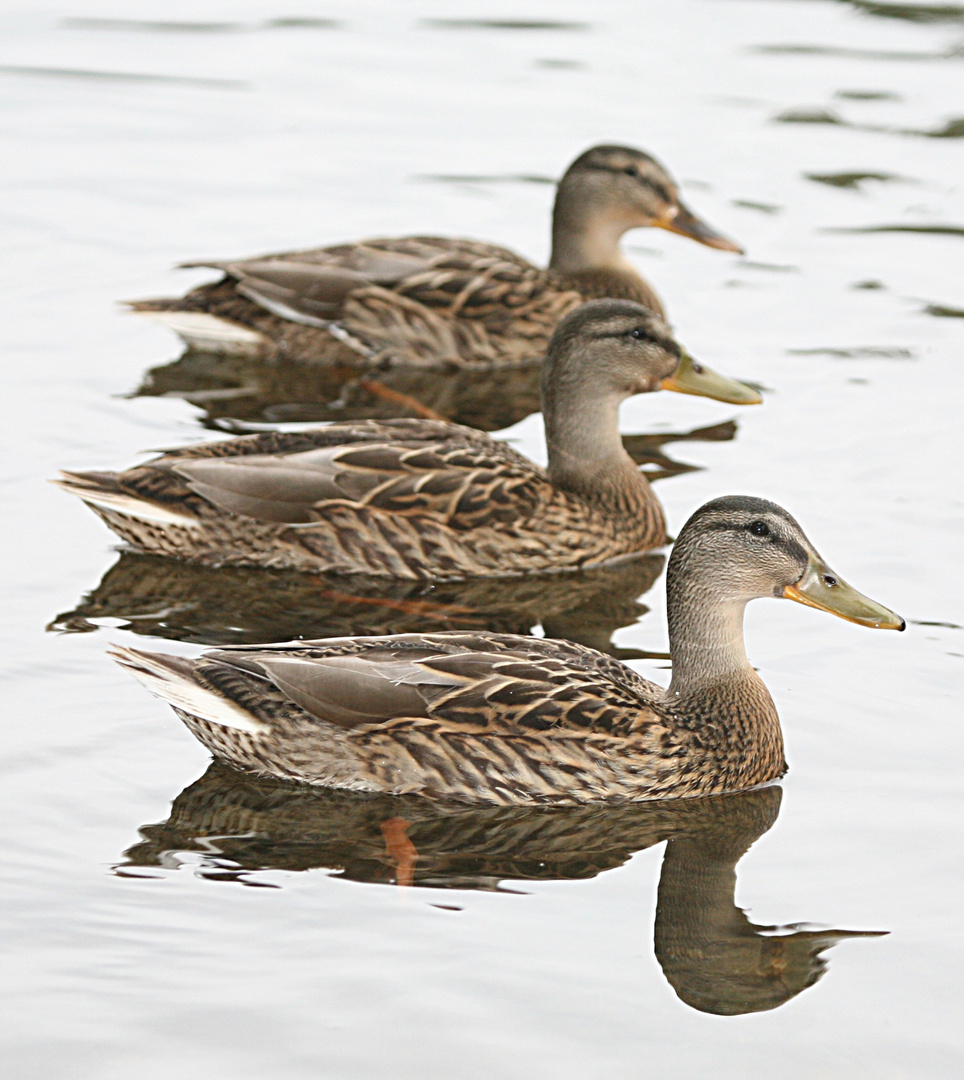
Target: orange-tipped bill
693	378
821	588
686	223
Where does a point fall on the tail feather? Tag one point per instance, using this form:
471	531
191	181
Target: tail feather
172	679
104	490
202	331
88	480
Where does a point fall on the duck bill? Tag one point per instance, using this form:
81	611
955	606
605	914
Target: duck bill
686	223
693	378
821	588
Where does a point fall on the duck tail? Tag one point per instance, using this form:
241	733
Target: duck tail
174	679
105	493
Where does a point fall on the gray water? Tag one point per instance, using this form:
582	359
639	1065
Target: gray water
135	136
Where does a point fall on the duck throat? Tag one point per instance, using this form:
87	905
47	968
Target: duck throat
705	637
586	453
715	695
584	238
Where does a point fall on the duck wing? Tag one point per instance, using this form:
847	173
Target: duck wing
421	300
483	717
457	476
457	683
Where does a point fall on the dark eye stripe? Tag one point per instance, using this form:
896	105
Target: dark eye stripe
660	189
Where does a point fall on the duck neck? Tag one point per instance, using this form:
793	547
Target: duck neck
586	453
584	238
705	637
715	694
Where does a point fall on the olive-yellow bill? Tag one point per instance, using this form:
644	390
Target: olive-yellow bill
692	377
682	220
821	588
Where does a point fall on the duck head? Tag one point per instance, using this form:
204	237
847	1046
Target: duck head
610	189
617	348
741	548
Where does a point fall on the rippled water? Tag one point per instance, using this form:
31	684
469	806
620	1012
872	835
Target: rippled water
826	137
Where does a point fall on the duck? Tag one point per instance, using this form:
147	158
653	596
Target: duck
440	302
414	498
513	720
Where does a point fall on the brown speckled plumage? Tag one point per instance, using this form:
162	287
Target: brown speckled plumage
493	718
437	301
418	498
503	719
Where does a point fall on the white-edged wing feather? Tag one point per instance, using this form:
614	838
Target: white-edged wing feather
209	333
169	678
120	502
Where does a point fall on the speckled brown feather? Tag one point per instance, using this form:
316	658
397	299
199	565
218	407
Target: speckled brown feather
498	719
467	304
421	499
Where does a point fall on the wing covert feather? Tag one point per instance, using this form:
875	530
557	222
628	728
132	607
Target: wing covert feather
413	300
503	686
465	480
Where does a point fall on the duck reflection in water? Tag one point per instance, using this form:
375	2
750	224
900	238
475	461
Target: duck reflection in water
182	601
234	391
715	959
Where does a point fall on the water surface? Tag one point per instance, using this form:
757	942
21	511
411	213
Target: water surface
163	920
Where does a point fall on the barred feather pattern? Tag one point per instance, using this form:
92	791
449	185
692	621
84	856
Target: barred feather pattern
459	303
404	498
499	719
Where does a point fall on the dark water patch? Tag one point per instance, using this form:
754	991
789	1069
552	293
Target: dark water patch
867	95
851	180
777	268
237	388
855	54
119	76
942	311
868	352
928	622
478	178
870	284
647	450
919	13
953	129
807	116
930	230
151	25
302	22
560	65
764	208
182	27
504	24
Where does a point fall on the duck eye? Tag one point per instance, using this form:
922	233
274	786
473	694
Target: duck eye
760	528
639	332
631	170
